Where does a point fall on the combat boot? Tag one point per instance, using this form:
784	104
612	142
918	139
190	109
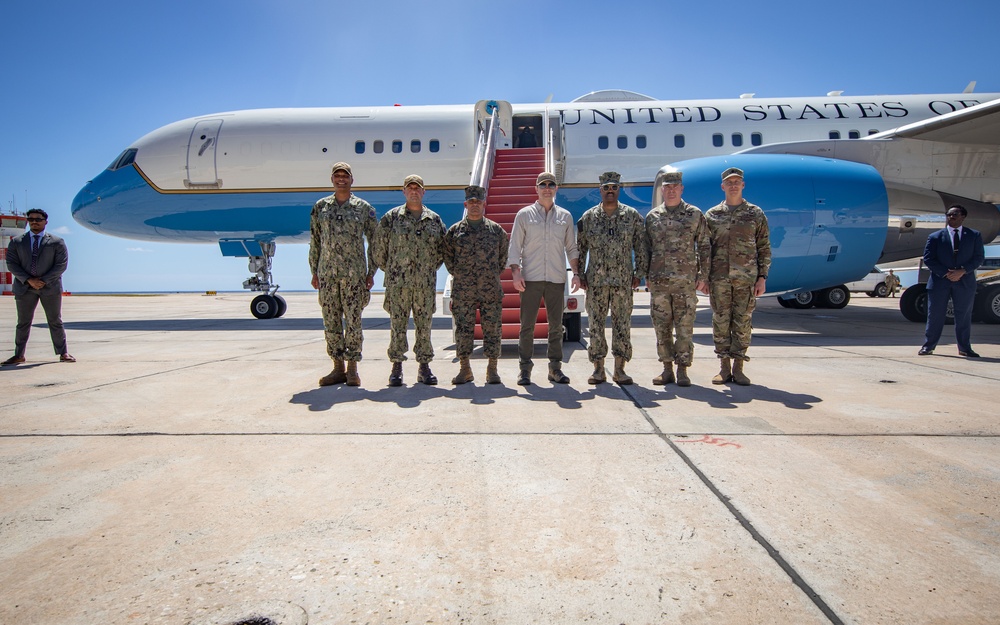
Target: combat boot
667	376
599	376
524	377
682	376
738	376
352	373
337	376
556	375
396	377
424	375
725	373
464	372
619	375
492	377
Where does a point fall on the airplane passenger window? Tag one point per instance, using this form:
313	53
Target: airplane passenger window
415	146
854	134
622	142
756	138
602	143
640	142
434	145
397	146
873	132
678	141
737	139
378	146
359	147
717	140
834	134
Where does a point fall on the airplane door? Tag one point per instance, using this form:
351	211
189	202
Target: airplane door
484	111
201	166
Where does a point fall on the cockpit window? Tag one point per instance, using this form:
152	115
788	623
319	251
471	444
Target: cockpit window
125	159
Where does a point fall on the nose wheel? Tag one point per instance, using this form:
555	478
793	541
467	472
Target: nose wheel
268	306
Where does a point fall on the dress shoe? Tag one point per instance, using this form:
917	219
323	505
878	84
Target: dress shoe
924	351
66	358
13	360
968	354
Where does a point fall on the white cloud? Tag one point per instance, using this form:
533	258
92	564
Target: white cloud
61	230
136	249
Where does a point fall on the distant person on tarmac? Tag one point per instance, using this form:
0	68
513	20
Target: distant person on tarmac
891	283
37	260
338	226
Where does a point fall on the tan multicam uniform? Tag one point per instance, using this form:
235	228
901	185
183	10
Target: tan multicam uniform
741	253
612	252
475	254
408	250
337	257
680	257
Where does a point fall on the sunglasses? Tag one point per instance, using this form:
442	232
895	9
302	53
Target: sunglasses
546	185
35	219
609	187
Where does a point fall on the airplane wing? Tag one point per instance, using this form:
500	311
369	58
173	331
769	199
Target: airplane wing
978	125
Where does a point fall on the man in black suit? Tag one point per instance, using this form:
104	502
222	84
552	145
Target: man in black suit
37	260
952	255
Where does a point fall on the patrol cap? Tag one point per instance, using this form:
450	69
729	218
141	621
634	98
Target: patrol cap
732	171
672	177
475	192
413	178
342	165
545	177
610	177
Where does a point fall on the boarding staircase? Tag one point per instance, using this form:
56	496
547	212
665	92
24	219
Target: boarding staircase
511	188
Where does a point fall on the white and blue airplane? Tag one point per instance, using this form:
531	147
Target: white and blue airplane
846	181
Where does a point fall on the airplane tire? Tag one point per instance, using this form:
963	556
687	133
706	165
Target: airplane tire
881	290
282	306
803	300
835	297
913	303
264	307
571	327
987	306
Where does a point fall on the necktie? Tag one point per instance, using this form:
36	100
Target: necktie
954	240
34	253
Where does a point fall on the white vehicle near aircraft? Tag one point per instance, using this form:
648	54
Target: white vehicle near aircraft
846	181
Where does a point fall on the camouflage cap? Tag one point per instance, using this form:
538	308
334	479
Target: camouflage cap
342	165
545	177
475	192
610	177
673	177
413	178
732	171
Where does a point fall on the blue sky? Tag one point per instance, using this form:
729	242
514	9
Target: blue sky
80	81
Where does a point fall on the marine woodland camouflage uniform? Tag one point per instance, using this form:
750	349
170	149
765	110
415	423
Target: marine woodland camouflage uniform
408	250
337	258
741	253
612	253
680	257
475	254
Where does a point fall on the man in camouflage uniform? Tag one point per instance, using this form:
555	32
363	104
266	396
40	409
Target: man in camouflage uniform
408	250
891	283
741	258
609	236
475	252
680	257
339	225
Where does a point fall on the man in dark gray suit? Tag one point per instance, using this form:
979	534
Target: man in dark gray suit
37	260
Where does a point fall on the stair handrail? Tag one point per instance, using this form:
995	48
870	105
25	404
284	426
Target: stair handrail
482	165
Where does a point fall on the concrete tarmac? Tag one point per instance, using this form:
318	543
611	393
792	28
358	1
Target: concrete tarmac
189	470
